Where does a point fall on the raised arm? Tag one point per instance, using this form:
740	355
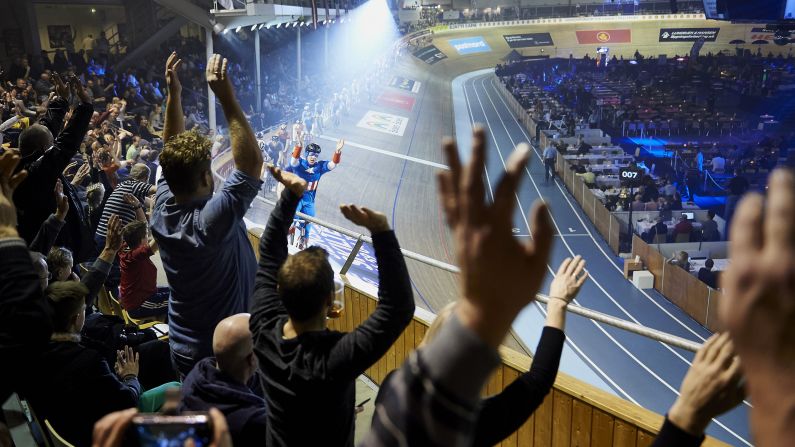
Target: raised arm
503	413
56	109
245	149
362	347
335	159
175	118
67	142
265	302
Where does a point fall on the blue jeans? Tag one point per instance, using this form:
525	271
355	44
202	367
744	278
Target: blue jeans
306	206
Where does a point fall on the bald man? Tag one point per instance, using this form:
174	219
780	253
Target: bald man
223	382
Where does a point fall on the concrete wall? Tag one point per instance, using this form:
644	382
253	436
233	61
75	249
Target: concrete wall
80	17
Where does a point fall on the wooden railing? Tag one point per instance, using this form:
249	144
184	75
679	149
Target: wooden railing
573	414
680	287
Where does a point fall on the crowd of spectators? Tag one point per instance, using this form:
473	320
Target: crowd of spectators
80	216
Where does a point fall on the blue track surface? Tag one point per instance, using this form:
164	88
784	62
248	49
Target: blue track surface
635	368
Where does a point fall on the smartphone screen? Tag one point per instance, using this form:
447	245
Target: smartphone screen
173	431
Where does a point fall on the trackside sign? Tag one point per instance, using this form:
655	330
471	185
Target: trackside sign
688	34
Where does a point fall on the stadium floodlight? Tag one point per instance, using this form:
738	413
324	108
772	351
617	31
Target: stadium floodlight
267	27
278	25
238	29
253	27
226	31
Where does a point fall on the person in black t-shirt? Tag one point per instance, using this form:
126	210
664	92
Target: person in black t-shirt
310	371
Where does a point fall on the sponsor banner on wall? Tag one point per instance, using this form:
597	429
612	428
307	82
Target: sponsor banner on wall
688	34
384	122
396	100
470	45
410	85
604	36
528	40
761	34
430	54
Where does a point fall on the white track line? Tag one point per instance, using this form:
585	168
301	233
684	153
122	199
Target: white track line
609	258
388	153
582	354
616	342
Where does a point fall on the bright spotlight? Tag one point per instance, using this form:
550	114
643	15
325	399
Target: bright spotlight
278	25
219	28
267	27
238	29
262	25
253	27
342	20
226	31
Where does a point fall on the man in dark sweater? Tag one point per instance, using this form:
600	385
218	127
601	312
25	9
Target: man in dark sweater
46	150
221	382
309	371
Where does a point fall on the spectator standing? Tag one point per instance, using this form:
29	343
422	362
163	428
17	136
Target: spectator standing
309	370
222	382
709	228
45	160
550	155
203	241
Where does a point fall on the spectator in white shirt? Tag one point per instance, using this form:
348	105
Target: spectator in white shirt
718	164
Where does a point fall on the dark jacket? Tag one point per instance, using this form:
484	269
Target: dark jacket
25	320
314	375
75	387
206	387
34	197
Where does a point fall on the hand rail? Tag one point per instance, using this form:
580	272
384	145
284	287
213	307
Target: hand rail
600	317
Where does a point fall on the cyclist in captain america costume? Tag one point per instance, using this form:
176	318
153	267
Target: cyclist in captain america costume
311	169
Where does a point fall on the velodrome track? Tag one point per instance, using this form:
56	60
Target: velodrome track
394	174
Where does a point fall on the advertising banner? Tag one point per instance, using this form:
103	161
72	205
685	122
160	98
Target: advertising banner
396	100
528	40
410	85
688	34
604	36
384	122
430	55
470	45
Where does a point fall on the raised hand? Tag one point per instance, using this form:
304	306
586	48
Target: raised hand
113	239
294	183
711	386
569	279
372	220
131	200
340	145
61	89
126	362
499	274
218	78
81	174
61	201
8	183
758	305
68	168
172	74
77	89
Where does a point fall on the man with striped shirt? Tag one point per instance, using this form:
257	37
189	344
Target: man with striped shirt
137	185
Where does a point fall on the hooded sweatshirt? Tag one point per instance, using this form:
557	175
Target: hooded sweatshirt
206	386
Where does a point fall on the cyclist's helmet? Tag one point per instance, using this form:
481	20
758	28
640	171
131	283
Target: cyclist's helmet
313	149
